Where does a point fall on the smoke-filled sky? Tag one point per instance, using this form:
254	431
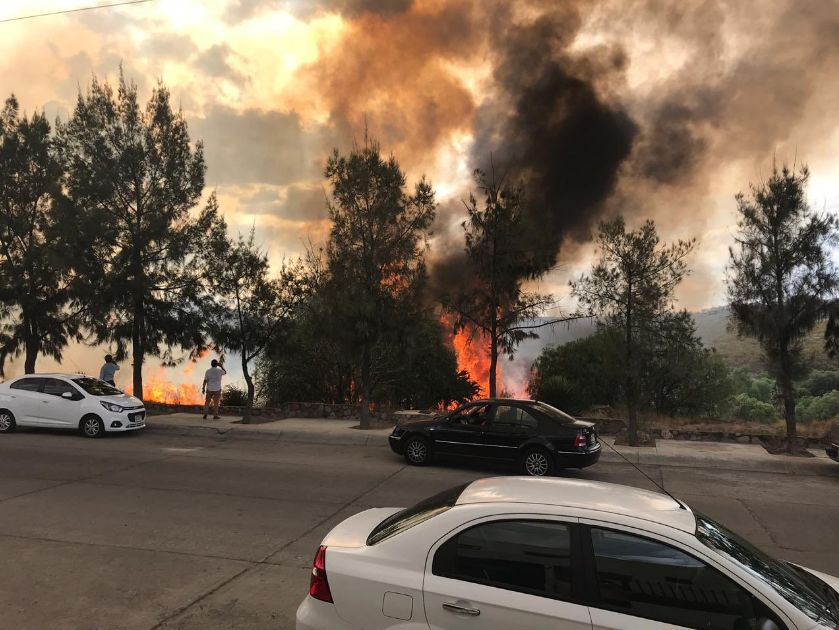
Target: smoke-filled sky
658	109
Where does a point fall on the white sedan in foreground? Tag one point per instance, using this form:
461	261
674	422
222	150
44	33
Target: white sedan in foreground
68	401
534	553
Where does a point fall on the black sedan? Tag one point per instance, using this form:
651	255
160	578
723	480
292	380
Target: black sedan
832	448
538	437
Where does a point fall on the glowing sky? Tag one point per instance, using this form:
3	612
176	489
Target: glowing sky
272	86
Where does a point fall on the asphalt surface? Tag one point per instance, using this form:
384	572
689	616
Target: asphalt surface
154	532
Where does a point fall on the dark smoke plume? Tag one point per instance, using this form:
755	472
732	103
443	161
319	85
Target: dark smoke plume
561	136
603	127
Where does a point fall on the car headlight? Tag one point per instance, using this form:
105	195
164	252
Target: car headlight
397	431
111	407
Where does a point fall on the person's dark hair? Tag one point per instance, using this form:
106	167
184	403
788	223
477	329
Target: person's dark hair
108	358
214	363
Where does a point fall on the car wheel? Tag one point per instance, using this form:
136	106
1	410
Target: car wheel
7	421
92	427
417	451
537	463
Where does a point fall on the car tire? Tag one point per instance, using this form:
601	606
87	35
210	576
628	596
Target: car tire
417	451
92	427
537	462
7	421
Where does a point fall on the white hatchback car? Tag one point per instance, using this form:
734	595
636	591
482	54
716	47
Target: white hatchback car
554	554
71	401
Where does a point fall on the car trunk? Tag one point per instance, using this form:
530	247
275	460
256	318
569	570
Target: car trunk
354	531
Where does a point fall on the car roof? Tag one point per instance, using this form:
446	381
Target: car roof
50	374
590	495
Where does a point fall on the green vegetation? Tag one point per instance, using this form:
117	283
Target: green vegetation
781	278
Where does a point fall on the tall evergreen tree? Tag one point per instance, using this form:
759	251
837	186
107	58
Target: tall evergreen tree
37	315
781	277
631	289
491	304
375	250
248	308
133	177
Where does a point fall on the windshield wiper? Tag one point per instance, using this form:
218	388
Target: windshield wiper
820	585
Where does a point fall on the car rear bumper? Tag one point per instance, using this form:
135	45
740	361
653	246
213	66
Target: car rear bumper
832	451
582	459
396	444
314	614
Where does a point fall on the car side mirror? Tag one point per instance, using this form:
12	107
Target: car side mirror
766	624
67	395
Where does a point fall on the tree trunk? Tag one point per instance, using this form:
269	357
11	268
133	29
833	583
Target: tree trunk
493	370
365	387
631	406
31	354
137	351
246	418
789	411
493	359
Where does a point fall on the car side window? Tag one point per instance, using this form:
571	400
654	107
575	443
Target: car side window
27	384
644	578
56	387
527	420
506	417
476	416
532	557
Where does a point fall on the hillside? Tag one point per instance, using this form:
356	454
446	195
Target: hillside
712	327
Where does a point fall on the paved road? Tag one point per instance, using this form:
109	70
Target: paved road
168	532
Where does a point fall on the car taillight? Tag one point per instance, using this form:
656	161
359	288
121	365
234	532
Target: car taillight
580	440
318	585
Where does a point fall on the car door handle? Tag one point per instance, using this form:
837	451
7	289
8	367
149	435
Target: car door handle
462	610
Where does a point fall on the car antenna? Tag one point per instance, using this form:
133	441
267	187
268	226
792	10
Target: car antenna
654	482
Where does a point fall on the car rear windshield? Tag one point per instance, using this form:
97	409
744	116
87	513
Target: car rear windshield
554	413
420	513
95	387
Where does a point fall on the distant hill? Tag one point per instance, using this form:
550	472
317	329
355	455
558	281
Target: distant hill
712	328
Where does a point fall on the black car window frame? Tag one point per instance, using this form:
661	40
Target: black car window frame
416	514
578	576
39	380
594	599
527	413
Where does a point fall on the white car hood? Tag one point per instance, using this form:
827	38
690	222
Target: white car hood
833	582
123	400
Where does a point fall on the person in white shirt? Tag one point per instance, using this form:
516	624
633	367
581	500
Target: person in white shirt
212	387
108	371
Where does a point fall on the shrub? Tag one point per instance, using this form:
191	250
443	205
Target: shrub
819	383
744	407
815	408
558	392
233	396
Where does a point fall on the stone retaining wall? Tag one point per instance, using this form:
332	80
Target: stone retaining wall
612	426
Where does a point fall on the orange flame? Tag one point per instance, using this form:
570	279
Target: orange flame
190	367
160	390
473	355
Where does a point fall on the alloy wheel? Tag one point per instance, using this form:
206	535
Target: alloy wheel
536	464
417	451
5	422
91	427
